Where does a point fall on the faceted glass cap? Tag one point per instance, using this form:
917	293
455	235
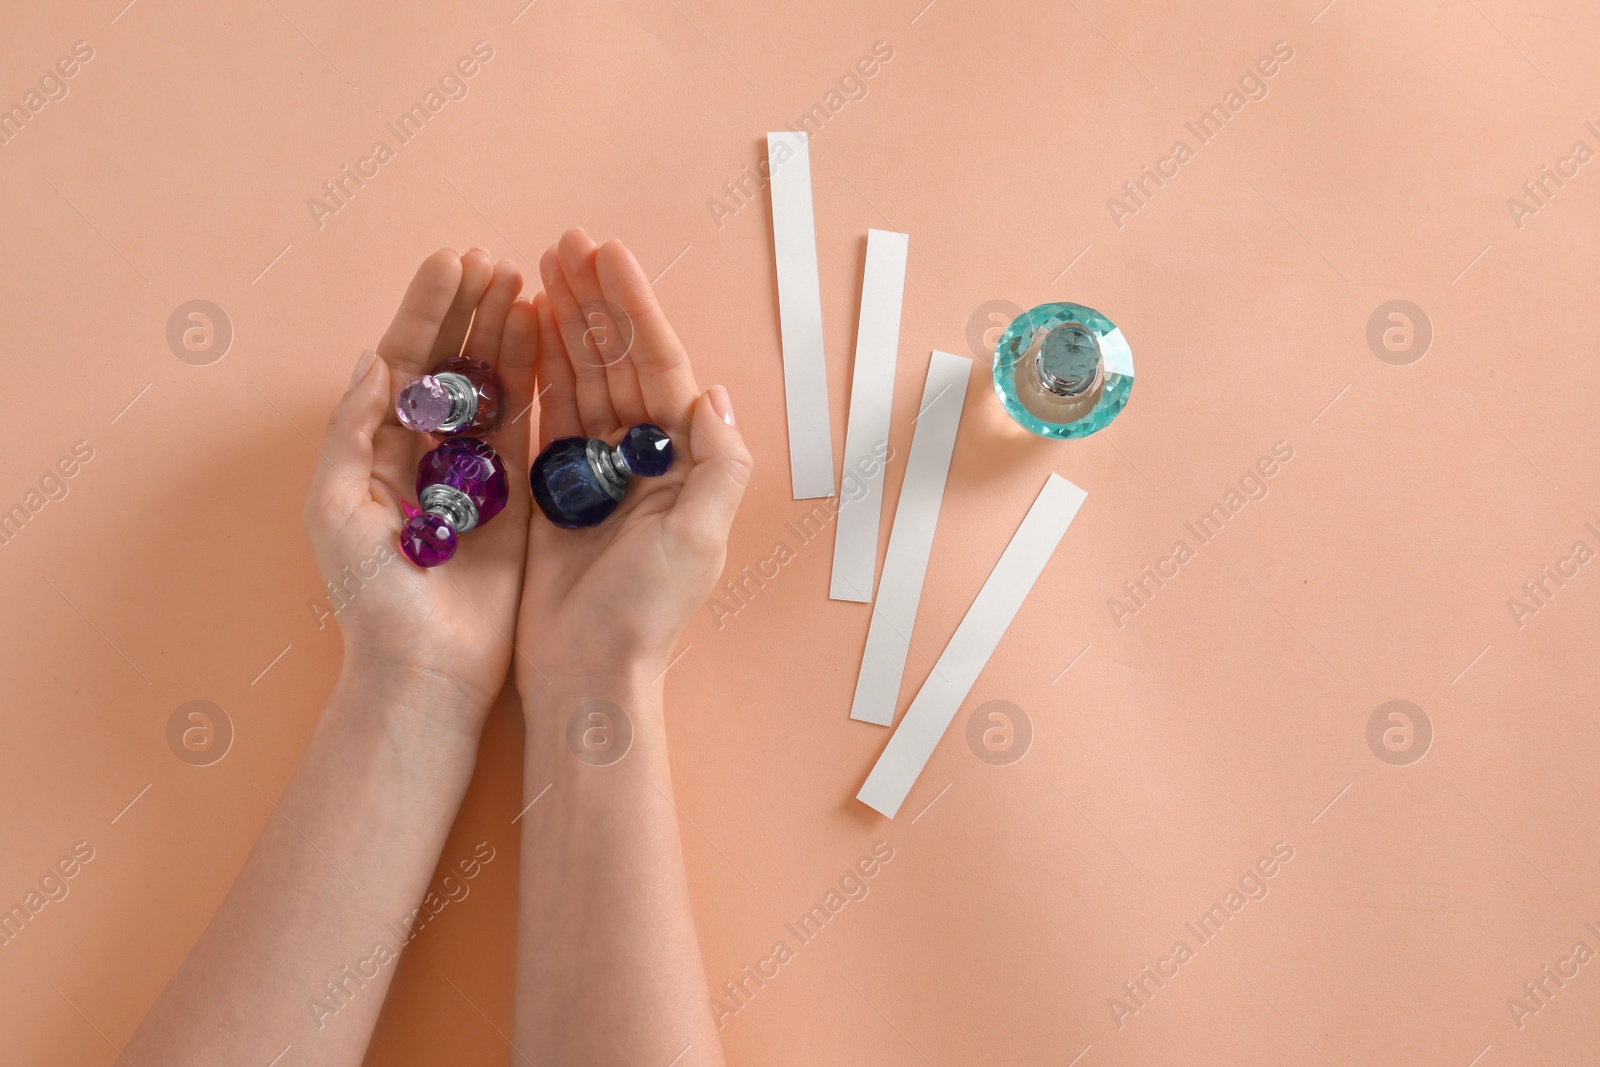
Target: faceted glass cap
423	404
647	450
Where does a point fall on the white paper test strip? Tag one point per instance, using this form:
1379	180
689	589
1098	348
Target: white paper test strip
866	438
883	664
805	373
974	642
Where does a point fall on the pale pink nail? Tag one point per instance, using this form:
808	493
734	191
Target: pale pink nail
363	365
721	404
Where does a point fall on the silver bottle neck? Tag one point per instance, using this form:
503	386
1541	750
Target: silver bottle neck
451	505
609	469
463	400
1073	350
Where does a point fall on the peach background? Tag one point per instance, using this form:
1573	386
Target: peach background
1222	718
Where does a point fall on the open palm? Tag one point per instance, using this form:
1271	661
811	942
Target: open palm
453	622
622	591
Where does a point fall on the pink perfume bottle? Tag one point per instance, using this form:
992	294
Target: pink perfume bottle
461	485
461	397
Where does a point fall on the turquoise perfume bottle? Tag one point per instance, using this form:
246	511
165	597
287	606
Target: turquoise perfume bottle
1063	370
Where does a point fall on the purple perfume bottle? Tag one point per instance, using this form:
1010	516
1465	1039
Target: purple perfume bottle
461	485
461	397
578	481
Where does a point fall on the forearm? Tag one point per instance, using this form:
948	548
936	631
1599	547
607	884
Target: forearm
608	968
303	949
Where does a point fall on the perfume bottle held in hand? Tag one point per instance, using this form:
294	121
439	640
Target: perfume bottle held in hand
578	481
461	485
462	397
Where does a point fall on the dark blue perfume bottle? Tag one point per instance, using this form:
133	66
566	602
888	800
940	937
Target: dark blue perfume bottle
578	481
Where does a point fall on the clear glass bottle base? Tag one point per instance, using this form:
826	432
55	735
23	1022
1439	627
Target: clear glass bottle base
1063	370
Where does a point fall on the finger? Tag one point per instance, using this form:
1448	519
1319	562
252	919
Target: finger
476	272
343	481
593	392
704	510
558	389
519	349
658	358
395	453
607	336
407	345
489	323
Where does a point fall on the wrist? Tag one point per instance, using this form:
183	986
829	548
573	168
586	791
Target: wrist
631	684
628	682
583	728
412	698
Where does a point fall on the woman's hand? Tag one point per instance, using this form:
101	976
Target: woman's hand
447	628
601	611
611	600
